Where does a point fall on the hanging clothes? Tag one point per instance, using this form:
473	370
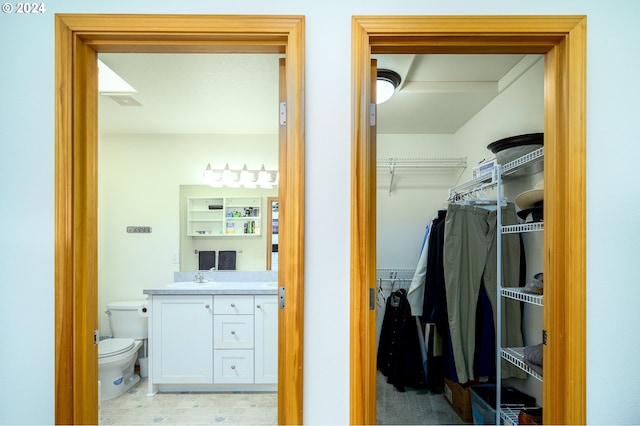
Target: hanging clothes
435	307
416	289
399	357
470	261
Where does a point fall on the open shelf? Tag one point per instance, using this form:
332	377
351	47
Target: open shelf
516	357
517	294
223	216
523	227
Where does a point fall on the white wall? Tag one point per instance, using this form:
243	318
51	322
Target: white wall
516	111
26	209
139	178
408	203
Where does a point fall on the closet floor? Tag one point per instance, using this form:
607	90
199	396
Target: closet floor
189	408
412	407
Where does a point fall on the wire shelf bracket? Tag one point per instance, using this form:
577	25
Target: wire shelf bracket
423	163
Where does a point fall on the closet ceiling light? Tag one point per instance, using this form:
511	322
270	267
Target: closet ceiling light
244	177
387	83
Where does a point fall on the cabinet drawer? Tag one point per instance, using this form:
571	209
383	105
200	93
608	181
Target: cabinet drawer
232	366
233	331
232	304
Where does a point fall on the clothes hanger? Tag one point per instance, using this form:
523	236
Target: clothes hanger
480	198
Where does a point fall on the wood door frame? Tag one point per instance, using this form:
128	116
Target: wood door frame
78	39
562	39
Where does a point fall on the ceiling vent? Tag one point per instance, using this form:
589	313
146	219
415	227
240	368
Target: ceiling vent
124	99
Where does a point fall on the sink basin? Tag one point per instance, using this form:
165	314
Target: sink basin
191	284
223	284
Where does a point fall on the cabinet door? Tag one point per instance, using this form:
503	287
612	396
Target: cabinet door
266	339
181	341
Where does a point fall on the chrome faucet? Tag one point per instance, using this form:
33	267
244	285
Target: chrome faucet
199	277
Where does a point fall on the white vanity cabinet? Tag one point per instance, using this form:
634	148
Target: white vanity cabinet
266	339
181	339
217	341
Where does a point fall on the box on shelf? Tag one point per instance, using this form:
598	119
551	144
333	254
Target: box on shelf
484	168
231	228
483	402
459	398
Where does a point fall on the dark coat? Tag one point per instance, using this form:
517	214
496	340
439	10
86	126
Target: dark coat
399	356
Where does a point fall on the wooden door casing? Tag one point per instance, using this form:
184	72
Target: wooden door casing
562	39
78	39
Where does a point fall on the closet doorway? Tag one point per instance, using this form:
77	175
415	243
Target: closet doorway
153	146
78	40
429	136
562	40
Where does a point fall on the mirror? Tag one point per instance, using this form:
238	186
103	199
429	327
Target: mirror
272	233
225	228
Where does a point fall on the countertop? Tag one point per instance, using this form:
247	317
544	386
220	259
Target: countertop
214	287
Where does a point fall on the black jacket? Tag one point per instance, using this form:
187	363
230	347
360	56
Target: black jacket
399	356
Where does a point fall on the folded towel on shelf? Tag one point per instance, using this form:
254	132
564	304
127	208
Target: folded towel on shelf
533	357
536	284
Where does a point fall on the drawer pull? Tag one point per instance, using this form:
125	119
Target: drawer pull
233	305
233	332
233	367
258	306
206	306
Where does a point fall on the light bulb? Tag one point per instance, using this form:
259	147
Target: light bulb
384	91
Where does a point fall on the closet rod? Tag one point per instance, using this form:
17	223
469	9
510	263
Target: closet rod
478	184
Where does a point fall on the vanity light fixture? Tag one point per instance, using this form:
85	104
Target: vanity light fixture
387	83
247	177
244	177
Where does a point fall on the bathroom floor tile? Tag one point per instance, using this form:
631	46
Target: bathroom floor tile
184	408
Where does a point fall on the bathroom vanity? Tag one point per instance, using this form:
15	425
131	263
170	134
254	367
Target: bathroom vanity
213	336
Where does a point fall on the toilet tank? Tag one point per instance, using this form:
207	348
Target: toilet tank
128	318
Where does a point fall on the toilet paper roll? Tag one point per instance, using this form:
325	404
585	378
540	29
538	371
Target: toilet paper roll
143	311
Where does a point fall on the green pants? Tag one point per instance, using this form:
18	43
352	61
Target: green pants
469	258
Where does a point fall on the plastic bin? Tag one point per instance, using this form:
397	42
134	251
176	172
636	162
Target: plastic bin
483	402
144	366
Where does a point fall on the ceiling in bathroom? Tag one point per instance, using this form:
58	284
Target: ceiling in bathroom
238	93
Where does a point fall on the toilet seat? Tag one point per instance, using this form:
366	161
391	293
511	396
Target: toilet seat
111	347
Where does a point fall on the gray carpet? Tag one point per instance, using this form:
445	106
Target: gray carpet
412	407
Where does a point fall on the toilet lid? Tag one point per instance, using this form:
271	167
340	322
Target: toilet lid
110	347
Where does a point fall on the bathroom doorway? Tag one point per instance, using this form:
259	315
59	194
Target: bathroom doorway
182	112
563	42
78	40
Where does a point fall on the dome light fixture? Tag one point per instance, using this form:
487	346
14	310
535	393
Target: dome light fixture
387	83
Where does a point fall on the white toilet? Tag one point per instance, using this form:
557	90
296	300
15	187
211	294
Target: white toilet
117	356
